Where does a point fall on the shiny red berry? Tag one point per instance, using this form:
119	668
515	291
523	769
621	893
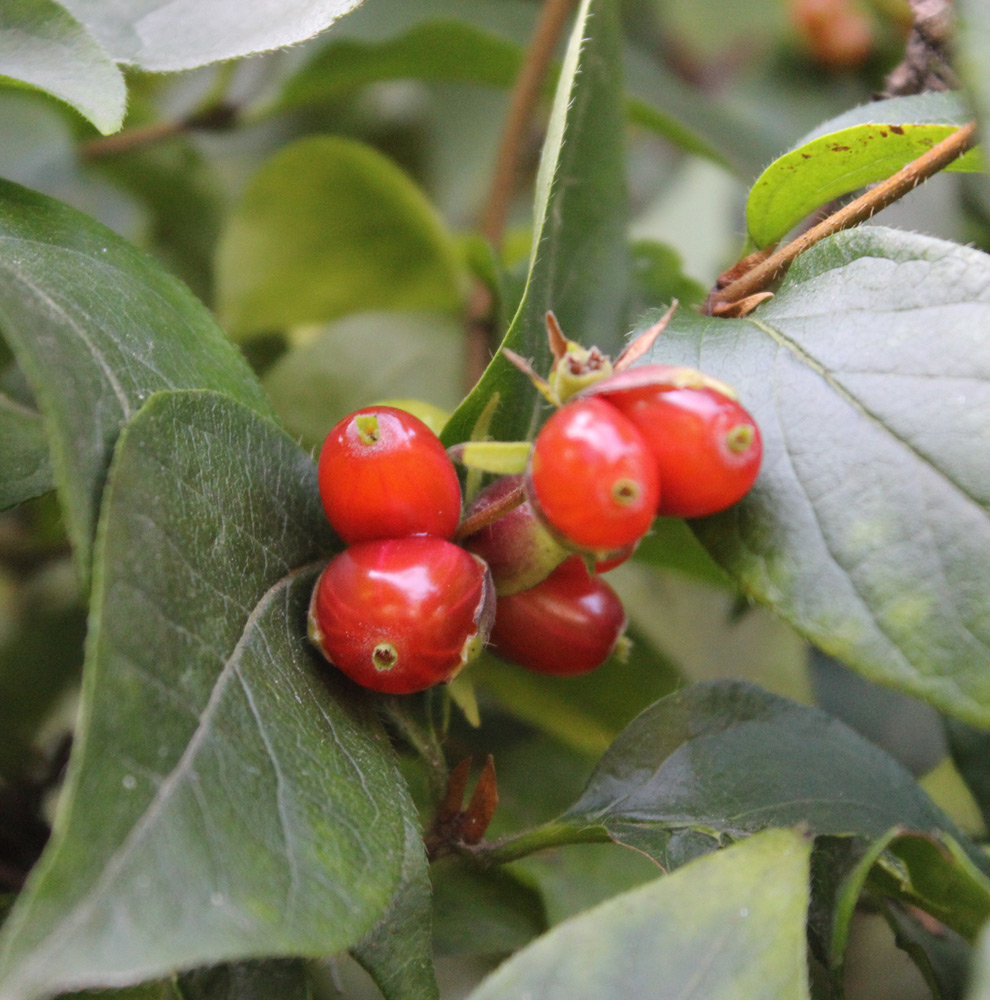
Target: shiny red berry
403	614
384	474
592	479
706	446
568	624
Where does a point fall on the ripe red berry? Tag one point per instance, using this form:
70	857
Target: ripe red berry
568	624
706	446
403	614
592	479
384	474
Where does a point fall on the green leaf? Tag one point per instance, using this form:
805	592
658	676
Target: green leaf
935	875
26	471
848	154
44	46
363	359
579	265
729	759
891	869
97	327
224	792
728	927
867	529
398	951
167	35
327	227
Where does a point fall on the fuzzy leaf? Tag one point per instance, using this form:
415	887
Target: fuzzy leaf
728	759
44	46
868	528
168	35
224	794
97	328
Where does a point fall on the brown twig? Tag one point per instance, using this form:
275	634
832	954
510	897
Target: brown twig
525	96
865	207
214	118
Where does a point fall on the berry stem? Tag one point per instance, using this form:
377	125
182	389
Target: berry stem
541	838
862	208
422	739
491	513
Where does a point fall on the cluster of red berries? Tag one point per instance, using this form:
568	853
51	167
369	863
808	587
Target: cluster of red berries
405	607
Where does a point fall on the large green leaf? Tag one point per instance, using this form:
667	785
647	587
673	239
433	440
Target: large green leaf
181	34
43	45
328	227
869	375
579	265
97	327
729	759
863	146
728	927
225	795
26	471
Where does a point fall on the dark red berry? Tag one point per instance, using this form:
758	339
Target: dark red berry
592	479
519	551
384	474
568	624
706	446
403	614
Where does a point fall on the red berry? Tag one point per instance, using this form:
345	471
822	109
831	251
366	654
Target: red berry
568	624
592	479
706	446
403	614
384	474
519	551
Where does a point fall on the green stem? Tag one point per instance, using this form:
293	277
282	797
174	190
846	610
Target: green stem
423	740
542	838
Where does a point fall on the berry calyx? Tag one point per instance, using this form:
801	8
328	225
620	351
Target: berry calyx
519	551
591	478
706	446
400	615
384	474
568	624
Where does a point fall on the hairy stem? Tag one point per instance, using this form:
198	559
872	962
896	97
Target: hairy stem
765	272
